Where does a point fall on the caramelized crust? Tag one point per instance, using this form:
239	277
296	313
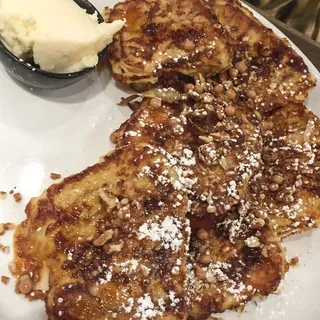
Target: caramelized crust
112	240
287	189
221	155
161	37
236	260
265	71
274	71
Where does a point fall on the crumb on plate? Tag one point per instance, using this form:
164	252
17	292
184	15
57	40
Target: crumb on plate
5	280
6	249
3	195
17	197
55	176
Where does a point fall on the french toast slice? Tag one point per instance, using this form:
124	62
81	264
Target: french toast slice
221	152
261	70
164	37
267	72
232	262
287	188
111	241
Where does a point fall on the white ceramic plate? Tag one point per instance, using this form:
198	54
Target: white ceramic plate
66	130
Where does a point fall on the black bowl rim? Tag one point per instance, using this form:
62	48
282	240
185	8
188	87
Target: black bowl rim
76	74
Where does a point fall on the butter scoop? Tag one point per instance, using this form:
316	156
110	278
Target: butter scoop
59	35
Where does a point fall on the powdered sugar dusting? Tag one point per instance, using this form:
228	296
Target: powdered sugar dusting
168	232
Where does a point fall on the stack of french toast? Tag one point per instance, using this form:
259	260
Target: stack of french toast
218	163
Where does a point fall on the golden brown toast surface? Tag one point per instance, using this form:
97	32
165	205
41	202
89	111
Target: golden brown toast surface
242	254
112	240
222	155
273	73
232	262
287	189
161	37
262	70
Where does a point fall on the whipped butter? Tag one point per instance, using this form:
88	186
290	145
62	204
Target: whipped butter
58	34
